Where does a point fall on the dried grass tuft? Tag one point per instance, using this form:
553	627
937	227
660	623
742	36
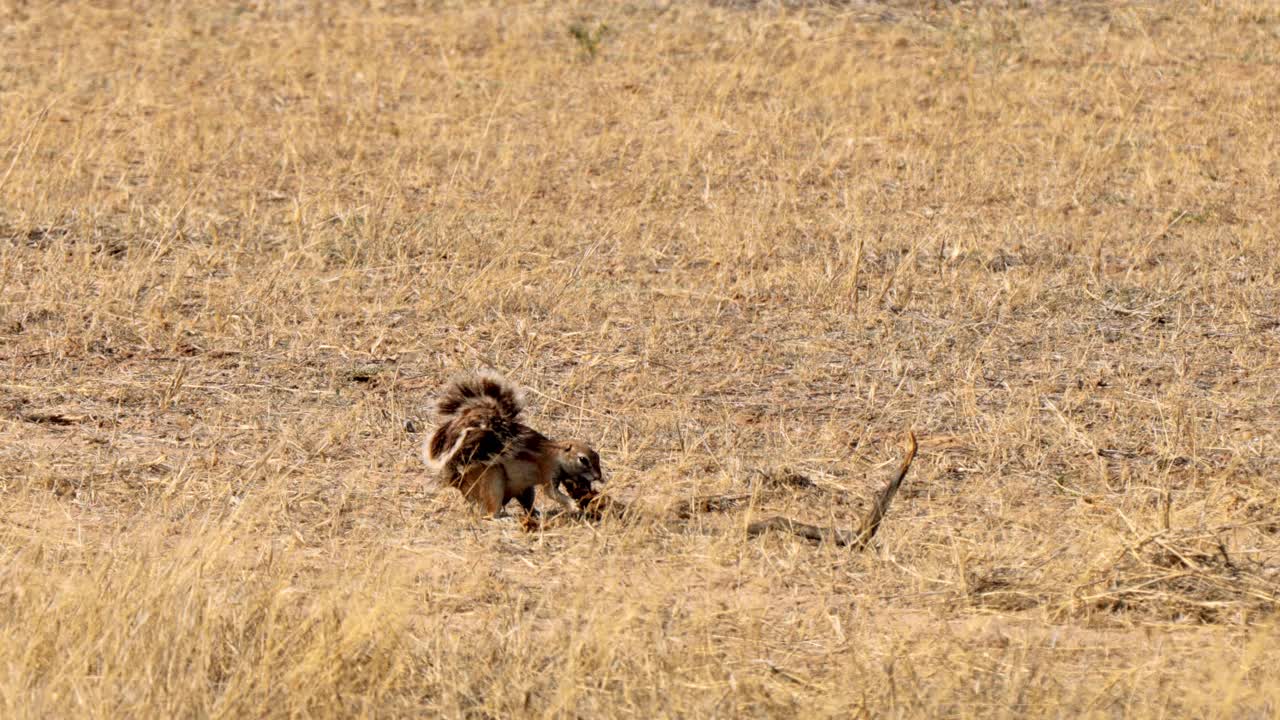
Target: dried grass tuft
1186	575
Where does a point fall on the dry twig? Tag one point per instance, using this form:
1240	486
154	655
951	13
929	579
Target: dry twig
870	524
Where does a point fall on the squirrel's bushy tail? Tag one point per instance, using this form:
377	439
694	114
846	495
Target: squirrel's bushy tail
478	417
480	390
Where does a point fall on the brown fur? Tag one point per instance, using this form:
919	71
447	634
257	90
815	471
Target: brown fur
482	448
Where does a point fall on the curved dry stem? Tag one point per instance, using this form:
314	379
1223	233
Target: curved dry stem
870	524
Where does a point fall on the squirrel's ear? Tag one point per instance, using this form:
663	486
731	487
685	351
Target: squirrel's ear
567	447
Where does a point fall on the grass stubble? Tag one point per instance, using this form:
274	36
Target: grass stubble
731	245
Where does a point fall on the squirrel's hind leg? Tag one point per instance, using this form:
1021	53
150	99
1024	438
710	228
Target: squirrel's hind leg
493	490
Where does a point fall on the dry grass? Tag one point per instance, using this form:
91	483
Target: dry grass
730	244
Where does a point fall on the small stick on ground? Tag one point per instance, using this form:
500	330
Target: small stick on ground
870	524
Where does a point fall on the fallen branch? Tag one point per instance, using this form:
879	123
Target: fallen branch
870	524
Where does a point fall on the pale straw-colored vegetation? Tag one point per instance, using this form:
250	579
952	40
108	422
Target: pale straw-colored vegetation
741	248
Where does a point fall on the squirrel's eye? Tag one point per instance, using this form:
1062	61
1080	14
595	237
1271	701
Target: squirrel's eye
582	459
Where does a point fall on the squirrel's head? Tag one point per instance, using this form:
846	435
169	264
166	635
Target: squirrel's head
580	472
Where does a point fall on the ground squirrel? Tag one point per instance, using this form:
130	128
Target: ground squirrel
482	448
